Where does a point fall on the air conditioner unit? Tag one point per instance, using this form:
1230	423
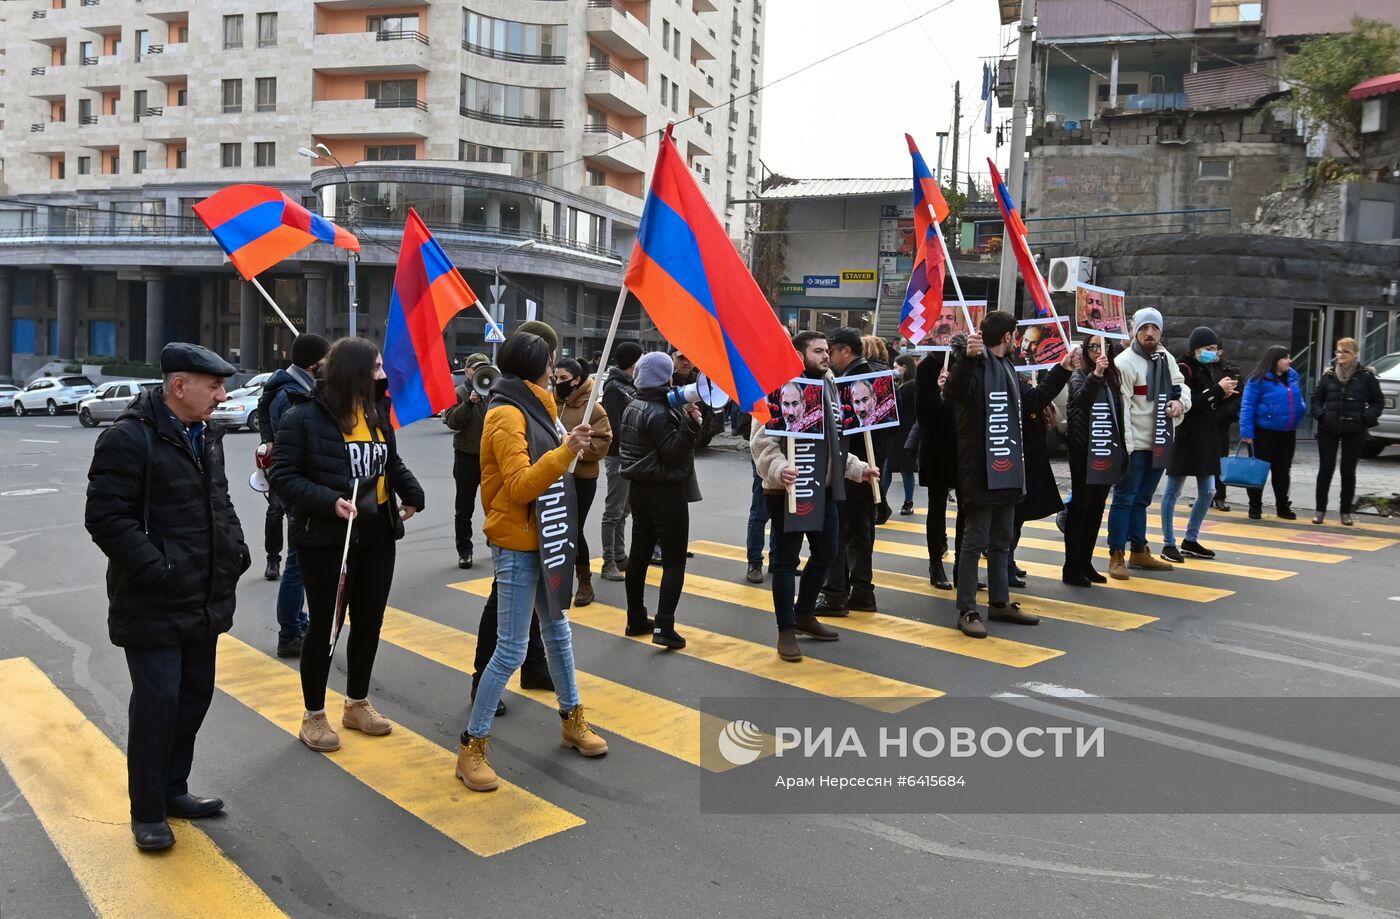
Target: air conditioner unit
1069	273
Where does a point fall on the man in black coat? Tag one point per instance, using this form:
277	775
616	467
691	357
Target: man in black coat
158	508
985	443
850	583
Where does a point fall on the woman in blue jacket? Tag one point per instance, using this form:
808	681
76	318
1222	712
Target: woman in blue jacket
1270	412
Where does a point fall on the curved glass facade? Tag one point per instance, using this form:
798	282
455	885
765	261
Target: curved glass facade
455	206
505	40
504	103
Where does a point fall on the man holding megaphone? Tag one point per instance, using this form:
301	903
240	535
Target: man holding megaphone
466	419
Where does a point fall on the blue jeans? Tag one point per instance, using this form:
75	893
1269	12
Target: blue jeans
758	516
887	479
1205	491
291	595
1127	519
520	589
825	546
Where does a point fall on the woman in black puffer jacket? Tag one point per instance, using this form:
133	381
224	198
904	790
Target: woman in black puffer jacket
1097	376
327	441
1346	403
658	459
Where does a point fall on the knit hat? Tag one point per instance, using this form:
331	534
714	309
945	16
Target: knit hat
1202	337
476	360
308	349
626	354
1147	316
654	369
543	330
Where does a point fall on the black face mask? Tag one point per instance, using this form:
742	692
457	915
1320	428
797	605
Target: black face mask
566	389
381	388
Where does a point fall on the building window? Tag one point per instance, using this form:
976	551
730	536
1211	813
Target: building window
181	36
267	30
585	228
233	32
181	157
392	93
114	164
504	103
382	152
665	90
521	42
676	98
523	163
233	96
86	56
60	168
676	43
143	43
1215	167
182	97
395	24
84	165
595	177
264	153
231	155
138	162
138	104
665	35
267	94
85	115
1234	12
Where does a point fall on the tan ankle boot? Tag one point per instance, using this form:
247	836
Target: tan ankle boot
1117	568
580	736
361	716
473	769
584	595
1146	561
317	733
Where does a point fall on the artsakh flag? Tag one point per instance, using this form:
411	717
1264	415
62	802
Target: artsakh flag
259	226
1015	235
696	288
427	293
923	299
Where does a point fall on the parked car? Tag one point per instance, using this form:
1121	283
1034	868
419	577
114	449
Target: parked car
52	395
241	409
7	397
1388	431
110	400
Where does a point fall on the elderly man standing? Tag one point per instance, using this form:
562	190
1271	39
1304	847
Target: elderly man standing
158	507
1154	400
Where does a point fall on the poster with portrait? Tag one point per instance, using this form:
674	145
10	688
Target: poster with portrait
950	322
795	410
1101	311
868	402
1038	346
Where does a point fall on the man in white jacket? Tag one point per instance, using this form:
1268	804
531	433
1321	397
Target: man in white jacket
1155	401
795	606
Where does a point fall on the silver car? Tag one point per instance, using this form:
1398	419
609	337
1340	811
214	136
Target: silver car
7	397
1388	431
110	400
52	395
241	409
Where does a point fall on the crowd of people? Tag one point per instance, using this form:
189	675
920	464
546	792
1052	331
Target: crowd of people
534	434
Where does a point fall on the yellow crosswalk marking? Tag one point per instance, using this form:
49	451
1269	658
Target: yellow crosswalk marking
1309	537
1044	607
75	780
404	767
895	628
1364	522
641	717
1140	585
1239	548
816	676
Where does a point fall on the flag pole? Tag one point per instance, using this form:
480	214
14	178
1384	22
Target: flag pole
603	361
792	461
273	303
952	272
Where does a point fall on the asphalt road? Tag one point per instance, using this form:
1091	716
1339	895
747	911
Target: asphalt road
386	831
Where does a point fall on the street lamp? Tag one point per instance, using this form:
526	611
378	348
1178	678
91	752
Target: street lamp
496	306
322	152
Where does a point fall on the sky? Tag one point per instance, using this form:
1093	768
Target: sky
847	117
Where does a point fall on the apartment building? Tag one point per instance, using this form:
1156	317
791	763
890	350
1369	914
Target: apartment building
523	131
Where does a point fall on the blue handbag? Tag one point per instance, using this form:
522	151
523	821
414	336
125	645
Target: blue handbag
1244	471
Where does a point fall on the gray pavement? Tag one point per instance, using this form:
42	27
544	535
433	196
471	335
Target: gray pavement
318	839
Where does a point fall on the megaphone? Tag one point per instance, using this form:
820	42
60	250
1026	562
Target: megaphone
702	390
482	378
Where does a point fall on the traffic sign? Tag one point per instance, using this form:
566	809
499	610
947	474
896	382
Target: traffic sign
494	334
496	291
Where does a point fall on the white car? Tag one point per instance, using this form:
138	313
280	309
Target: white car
110	400
7	397
241	409
52	395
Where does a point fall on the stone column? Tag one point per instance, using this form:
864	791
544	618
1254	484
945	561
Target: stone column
316	281
66	279
249	326
155	279
7	326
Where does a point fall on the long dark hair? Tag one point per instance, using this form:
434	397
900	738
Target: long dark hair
1110	373
1268	362
348	382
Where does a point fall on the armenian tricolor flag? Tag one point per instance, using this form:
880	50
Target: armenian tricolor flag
1015	234
923	299
428	292
696	288
259	226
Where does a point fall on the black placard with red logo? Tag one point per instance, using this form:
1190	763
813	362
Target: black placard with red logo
557	515
1106	453
811	461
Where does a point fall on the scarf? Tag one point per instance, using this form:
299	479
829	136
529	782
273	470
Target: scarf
1345	375
555	511
1106	451
1159	388
1006	462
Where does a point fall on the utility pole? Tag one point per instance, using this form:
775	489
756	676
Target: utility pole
938	172
1016	167
957	129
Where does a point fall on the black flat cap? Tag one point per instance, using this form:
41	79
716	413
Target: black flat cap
848	336
183	357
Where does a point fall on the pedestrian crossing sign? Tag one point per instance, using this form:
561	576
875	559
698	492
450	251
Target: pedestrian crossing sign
494	335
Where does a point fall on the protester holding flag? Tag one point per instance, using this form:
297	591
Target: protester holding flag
1097	456
573	386
990	400
938	459
1155	401
618	393
524	489
1270	412
337	435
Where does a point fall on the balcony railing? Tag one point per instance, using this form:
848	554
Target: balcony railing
88	119
91	2
401	103
401	35
37	71
605	65
757	9
39	14
753	50
602	129
604	4
512	56
150	49
519	121
38	127
89	61
155	111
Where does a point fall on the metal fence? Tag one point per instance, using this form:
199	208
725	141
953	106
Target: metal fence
1082	228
